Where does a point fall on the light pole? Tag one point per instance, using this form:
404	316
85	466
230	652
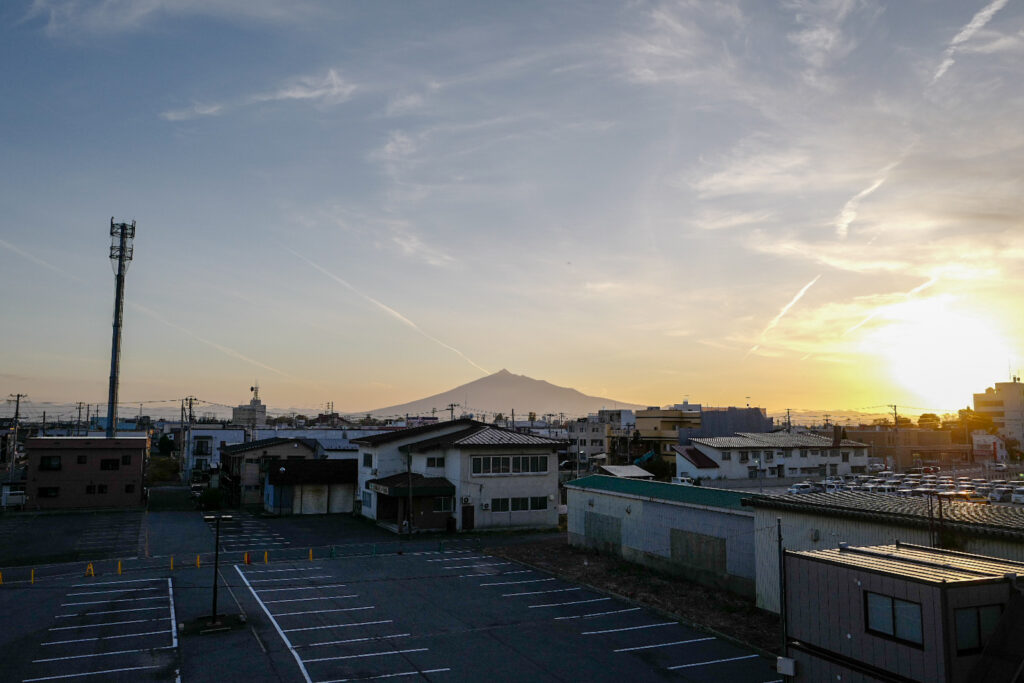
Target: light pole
216	561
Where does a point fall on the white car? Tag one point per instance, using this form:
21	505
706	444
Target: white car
1000	494
800	488
1018	495
999	467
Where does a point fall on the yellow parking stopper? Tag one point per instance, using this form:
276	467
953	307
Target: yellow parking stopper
310	554
32	576
197	561
172	563
119	567
89	571
264	557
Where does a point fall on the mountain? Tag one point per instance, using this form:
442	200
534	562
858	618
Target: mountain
504	392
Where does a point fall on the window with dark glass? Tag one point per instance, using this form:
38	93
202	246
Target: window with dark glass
126	460
110	464
83	459
894	618
49	463
48	491
974	626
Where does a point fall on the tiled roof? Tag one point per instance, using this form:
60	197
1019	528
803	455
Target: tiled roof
698	459
336	445
918	563
993	520
484	436
399	434
660	491
266	443
757	440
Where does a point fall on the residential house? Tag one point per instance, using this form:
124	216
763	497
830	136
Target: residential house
83	472
203	445
902	612
769	455
244	466
459	475
310	487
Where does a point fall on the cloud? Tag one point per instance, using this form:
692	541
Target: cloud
328	89
781	314
390	311
412	245
38	261
821	39
976	23
722	220
849	212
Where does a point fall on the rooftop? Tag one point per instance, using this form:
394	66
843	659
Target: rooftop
758	440
918	563
480	435
992	520
660	491
266	443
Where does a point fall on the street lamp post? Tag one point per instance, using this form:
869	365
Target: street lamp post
216	561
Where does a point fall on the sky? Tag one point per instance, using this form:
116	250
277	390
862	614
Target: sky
789	204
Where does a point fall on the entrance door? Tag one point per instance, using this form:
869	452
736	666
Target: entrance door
467	517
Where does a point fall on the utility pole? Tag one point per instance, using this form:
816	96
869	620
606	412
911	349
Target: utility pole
78	420
451	411
789	422
122	236
13	448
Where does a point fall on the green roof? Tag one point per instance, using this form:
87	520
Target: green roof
658	490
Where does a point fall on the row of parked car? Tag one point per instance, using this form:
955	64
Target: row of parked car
960	488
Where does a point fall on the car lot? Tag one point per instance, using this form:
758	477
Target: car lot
465	616
28	537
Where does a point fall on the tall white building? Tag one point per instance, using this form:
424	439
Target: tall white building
1004	403
252	415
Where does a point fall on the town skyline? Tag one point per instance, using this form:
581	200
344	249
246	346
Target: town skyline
813	205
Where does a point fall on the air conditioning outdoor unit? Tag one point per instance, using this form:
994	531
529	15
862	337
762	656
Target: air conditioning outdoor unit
485	506
373	472
465	500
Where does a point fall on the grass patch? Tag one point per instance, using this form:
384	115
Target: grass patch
162	470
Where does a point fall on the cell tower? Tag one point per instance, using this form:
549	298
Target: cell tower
122	236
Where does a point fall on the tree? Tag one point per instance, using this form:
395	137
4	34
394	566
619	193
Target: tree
928	421
165	446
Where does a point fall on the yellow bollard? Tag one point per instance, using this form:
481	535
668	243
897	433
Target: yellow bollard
310	554
172	563
1	578
197	561
264	560
119	567
32	579
89	571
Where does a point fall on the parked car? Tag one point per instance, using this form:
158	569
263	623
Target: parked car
1000	494
804	487
1018	495
999	467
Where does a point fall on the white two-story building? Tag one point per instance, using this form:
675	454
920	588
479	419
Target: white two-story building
459	475
749	455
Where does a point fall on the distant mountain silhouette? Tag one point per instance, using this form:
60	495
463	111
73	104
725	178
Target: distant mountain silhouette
504	392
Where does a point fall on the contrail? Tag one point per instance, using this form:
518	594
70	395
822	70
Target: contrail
38	261
390	311
878	310
849	213
222	349
783	312
973	26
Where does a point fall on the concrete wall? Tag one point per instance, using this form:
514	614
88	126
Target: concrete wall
805	531
481	489
712	545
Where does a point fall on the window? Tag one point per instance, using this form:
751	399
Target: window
744	456
499	504
520	504
894	618
90	489
367	500
202	447
974	625
846	456
110	464
367	459
815	452
768	456
443	504
83	459
101	488
726	455
129	488
126	460
49	463
596	442
539	503
252	461
510	464
48	491
803	453
436	461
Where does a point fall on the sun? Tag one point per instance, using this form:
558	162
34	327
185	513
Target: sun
940	354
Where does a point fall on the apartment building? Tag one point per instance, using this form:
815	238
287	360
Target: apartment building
83	472
1004	403
767	455
660	426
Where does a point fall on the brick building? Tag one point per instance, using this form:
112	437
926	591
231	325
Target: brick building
84	472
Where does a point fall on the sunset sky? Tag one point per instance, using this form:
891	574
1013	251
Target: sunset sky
810	204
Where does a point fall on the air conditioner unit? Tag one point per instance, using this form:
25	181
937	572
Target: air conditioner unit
373	472
465	500
485	506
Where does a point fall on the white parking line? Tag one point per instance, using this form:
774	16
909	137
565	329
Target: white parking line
112	583
277	571
599	614
470	566
480	575
396	675
174	624
108	623
113	611
367	654
108	602
85	640
461	557
89	673
557	590
575	602
113	590
651	647
288	578
298	659
303	588
628	628
316	597
516	583
355	640
713	661
325	611
103	654
321	628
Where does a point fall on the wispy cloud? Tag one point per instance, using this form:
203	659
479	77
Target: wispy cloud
38	261
966	33
212	344
781	314
328	89
390	311
821	39
870	316
849	212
